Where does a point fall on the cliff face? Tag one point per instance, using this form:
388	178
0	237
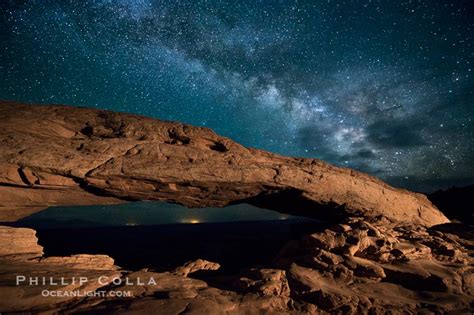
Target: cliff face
59	155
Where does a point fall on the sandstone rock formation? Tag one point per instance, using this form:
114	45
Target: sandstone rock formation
355	267
144	292
359	266
196	265
23	270
59	155
387	250
19	242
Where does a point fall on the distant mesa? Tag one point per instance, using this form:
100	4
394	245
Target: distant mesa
456	203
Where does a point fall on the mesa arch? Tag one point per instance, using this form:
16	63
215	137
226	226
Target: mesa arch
61	155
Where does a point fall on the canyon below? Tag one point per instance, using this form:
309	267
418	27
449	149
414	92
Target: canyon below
371	249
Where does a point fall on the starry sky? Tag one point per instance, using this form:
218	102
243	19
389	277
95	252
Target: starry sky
385	87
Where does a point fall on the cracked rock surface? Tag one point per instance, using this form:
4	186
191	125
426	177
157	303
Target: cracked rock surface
370	266
59	155
386	250
355	267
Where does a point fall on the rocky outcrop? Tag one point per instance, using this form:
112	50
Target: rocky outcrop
19	242
92	283
25	274
360	266
196	265
355	267
389	249
59	155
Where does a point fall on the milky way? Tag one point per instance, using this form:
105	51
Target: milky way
385	87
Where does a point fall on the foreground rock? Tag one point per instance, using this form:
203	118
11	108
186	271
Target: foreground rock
58	155
92	283
361	266
25	274
19	242
356	267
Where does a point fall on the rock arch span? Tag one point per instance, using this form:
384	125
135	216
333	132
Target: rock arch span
61	155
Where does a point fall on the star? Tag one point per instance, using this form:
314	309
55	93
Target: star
312	79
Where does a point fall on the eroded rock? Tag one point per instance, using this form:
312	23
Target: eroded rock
59	155
196	265
388	251
408	268
21	243
368	266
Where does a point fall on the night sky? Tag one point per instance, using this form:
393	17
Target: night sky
385	87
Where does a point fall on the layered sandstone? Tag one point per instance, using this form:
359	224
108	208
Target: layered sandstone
59	155
354	267
389	250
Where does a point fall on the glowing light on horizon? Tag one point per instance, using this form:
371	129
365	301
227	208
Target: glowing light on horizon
191	221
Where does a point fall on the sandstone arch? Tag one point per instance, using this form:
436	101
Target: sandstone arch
60	155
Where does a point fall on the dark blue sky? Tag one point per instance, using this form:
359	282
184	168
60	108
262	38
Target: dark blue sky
385	87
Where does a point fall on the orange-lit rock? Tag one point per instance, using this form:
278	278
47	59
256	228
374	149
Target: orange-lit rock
60	155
